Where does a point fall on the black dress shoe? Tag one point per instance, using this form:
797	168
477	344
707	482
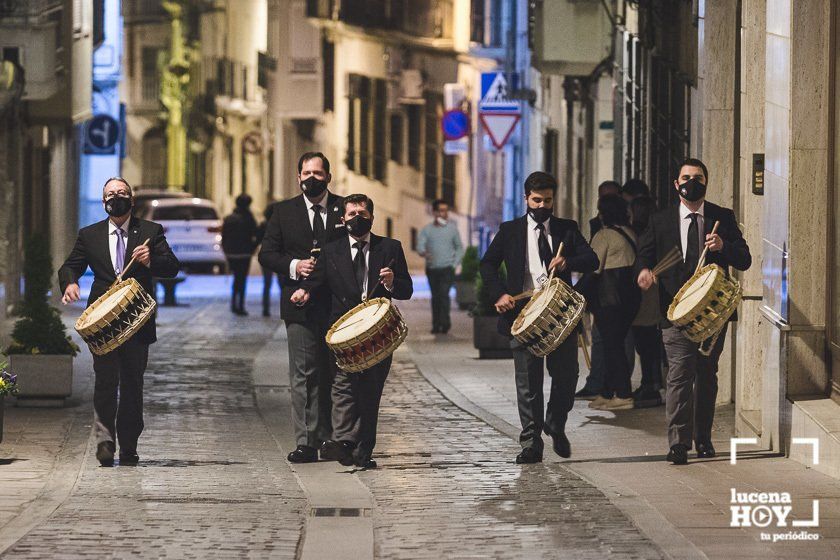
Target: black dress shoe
303	454
648	398
678	454
705	451
129	458
528	456
334	450
366	464
562	446
105	453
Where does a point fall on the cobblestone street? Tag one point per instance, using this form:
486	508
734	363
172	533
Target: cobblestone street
214	482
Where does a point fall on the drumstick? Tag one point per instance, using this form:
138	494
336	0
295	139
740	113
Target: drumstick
586	357
523	295
669	260
370	293
131	262
702	260
559	250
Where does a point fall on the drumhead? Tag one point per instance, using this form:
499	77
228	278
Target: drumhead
538	304
108	304
695	293
359	322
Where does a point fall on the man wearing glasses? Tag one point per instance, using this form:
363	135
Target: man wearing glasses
107	247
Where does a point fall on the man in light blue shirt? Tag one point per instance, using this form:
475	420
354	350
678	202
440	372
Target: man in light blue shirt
440	243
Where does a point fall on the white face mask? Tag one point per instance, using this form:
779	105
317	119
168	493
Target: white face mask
440	221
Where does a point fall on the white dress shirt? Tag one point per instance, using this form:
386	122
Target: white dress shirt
112	243
535	265
311	215
366	251
685	223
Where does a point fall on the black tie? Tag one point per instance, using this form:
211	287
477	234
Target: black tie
318	231
359	264
544	247
692	245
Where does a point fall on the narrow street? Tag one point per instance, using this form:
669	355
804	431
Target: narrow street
213	481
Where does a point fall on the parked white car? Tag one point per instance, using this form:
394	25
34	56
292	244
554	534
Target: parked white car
193	229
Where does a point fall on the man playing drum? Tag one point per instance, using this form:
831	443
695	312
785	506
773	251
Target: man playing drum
107	247
691	383
356	267
527	246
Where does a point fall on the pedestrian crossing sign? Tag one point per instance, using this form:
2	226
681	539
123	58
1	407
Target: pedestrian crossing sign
496	94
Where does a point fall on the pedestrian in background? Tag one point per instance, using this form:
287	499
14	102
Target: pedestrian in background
617	300
268	274
633	189
239	239
605	188
595	378
440	244
647	337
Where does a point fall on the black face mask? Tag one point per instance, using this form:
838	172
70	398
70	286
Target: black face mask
118	206
692	190
358	225
539	214
313	187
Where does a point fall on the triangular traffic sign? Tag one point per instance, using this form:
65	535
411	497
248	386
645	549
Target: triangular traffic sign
499	126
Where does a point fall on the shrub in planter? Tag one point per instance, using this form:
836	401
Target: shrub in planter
41	351
465	294
486	337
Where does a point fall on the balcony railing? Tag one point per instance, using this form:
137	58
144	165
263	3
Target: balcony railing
229	78
423	18
27	9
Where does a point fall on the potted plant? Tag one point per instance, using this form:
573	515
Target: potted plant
8	386
486	337
41	353
465	282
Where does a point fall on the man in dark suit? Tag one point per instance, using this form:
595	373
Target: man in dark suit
358	266
107	247
527	246
297	231
691	384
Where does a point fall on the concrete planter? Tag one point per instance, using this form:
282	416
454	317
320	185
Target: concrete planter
487	340
465	294
44	380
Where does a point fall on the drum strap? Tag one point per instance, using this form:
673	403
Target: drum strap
625	236
712	340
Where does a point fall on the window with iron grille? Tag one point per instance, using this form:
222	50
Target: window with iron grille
551	145
150	84
328	59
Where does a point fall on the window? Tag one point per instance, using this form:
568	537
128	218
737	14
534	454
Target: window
367	127
414	239
150	84
552	140
415	135
389	227
328	58
185	212
397	137
431	175
486	22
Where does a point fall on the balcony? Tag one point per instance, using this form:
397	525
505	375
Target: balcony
430	19
233	85
26	11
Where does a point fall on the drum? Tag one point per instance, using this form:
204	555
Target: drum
115	316
704	303
549	317
366	335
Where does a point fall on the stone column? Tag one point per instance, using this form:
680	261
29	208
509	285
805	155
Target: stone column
749	363
718	69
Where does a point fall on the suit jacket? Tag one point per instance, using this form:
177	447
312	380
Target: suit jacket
289	236
92	250
334	271
510	246
663	234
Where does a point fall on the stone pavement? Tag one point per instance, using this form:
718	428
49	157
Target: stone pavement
214	483
211	482
684	510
